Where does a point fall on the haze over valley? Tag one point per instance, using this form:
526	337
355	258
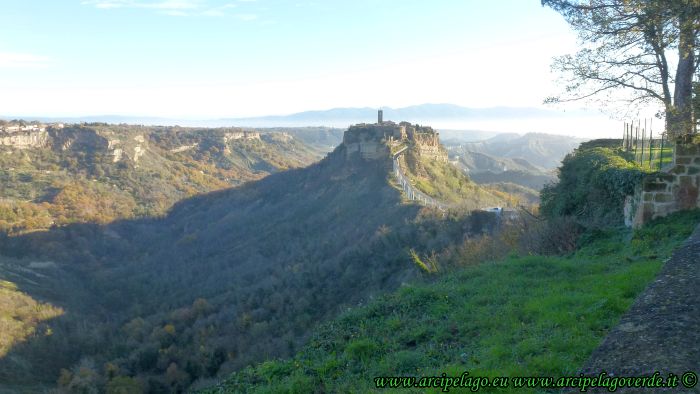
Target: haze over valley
488	121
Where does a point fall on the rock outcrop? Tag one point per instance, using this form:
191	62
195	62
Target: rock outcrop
23	139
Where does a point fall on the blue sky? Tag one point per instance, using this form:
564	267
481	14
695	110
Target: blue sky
233	58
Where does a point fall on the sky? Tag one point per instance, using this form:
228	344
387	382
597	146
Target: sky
203	59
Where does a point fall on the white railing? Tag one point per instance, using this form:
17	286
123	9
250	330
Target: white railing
411	192
414	194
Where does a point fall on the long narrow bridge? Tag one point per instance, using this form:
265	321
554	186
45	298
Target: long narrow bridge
411	192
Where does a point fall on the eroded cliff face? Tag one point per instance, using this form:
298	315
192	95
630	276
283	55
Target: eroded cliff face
25	139
76	138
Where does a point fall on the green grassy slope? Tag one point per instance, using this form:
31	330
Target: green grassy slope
522	316
447	183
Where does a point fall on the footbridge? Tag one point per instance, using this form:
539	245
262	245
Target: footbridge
411	192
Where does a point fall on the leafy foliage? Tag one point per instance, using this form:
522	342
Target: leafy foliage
21	316
592	187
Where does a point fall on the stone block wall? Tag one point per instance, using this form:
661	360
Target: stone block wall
674	190
368	150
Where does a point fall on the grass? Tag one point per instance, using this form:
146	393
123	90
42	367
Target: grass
521	316
448	184
657	160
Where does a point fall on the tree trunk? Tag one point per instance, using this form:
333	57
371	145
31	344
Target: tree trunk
680	118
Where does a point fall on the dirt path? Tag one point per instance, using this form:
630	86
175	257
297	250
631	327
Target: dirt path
661	332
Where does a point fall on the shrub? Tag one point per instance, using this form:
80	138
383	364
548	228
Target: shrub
592	187
361	349
559	235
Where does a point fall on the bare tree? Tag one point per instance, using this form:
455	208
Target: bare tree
633	46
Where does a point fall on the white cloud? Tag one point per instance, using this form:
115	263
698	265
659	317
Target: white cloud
174	13
246	17
213	12
22	60
219	11
167	6
105	4
173	7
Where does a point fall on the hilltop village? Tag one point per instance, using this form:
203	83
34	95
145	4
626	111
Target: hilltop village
377	140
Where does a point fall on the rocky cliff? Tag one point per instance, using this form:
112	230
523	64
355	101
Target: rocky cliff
24	139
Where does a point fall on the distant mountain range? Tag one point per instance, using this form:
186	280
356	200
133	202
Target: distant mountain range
424	113
544	150
429	114
528	160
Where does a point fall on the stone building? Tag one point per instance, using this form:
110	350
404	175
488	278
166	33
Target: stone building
374	141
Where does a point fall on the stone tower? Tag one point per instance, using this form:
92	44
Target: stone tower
380	116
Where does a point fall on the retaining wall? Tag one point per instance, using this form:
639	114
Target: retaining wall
673	190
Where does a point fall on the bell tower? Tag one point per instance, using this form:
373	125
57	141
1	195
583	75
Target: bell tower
380	116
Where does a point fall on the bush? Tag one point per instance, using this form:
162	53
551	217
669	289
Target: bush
559	235
592	187
361	349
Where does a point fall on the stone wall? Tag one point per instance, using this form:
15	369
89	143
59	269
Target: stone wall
674	190
367	149
369	140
